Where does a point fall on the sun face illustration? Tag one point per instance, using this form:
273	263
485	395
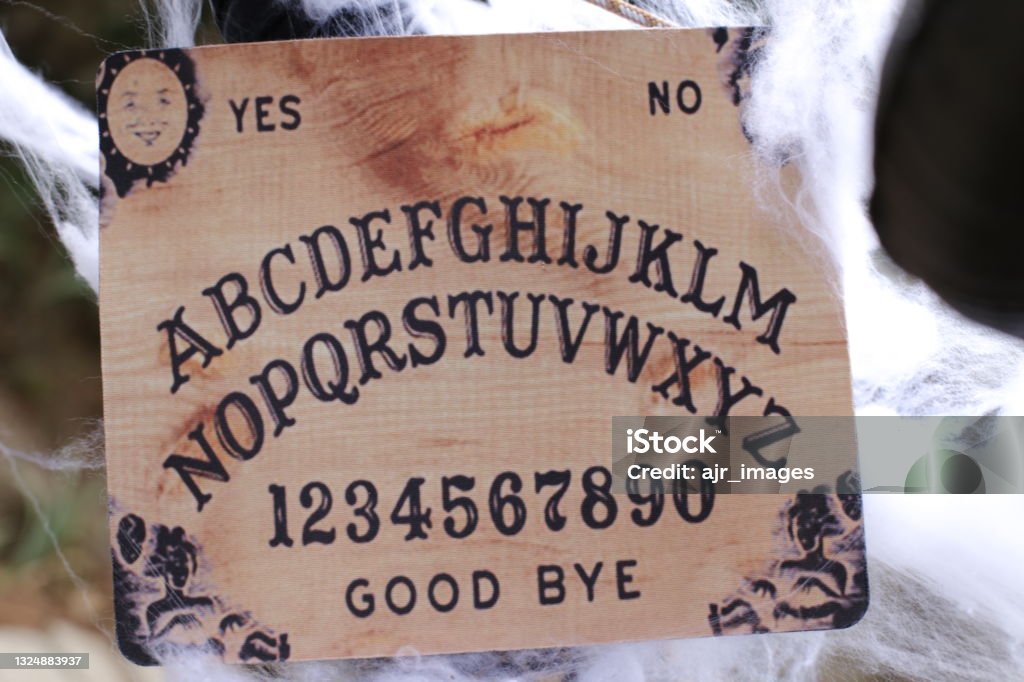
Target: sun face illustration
149	115
147	111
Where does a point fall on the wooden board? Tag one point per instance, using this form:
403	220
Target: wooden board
288	232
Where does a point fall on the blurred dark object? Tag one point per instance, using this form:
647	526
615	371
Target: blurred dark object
948	202
252	21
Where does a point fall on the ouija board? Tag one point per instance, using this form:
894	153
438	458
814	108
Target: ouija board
369	306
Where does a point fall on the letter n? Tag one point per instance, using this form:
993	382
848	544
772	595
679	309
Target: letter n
189	467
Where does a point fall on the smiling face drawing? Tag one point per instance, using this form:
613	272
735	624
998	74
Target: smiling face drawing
147	111
149	116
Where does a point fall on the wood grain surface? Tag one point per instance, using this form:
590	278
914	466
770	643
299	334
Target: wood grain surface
335	133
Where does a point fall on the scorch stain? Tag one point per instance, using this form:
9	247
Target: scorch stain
523	123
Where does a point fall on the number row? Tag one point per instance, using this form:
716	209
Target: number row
506	506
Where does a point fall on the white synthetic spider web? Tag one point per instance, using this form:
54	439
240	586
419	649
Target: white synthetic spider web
947	599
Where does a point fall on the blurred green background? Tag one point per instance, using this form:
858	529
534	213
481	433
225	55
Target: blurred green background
50	389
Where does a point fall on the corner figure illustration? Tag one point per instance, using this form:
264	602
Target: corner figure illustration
824	581
158	603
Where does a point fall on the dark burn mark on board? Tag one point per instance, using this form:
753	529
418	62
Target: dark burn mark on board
740	59
159	607
742	50
721	36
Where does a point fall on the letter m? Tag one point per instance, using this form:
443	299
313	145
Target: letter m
777	305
